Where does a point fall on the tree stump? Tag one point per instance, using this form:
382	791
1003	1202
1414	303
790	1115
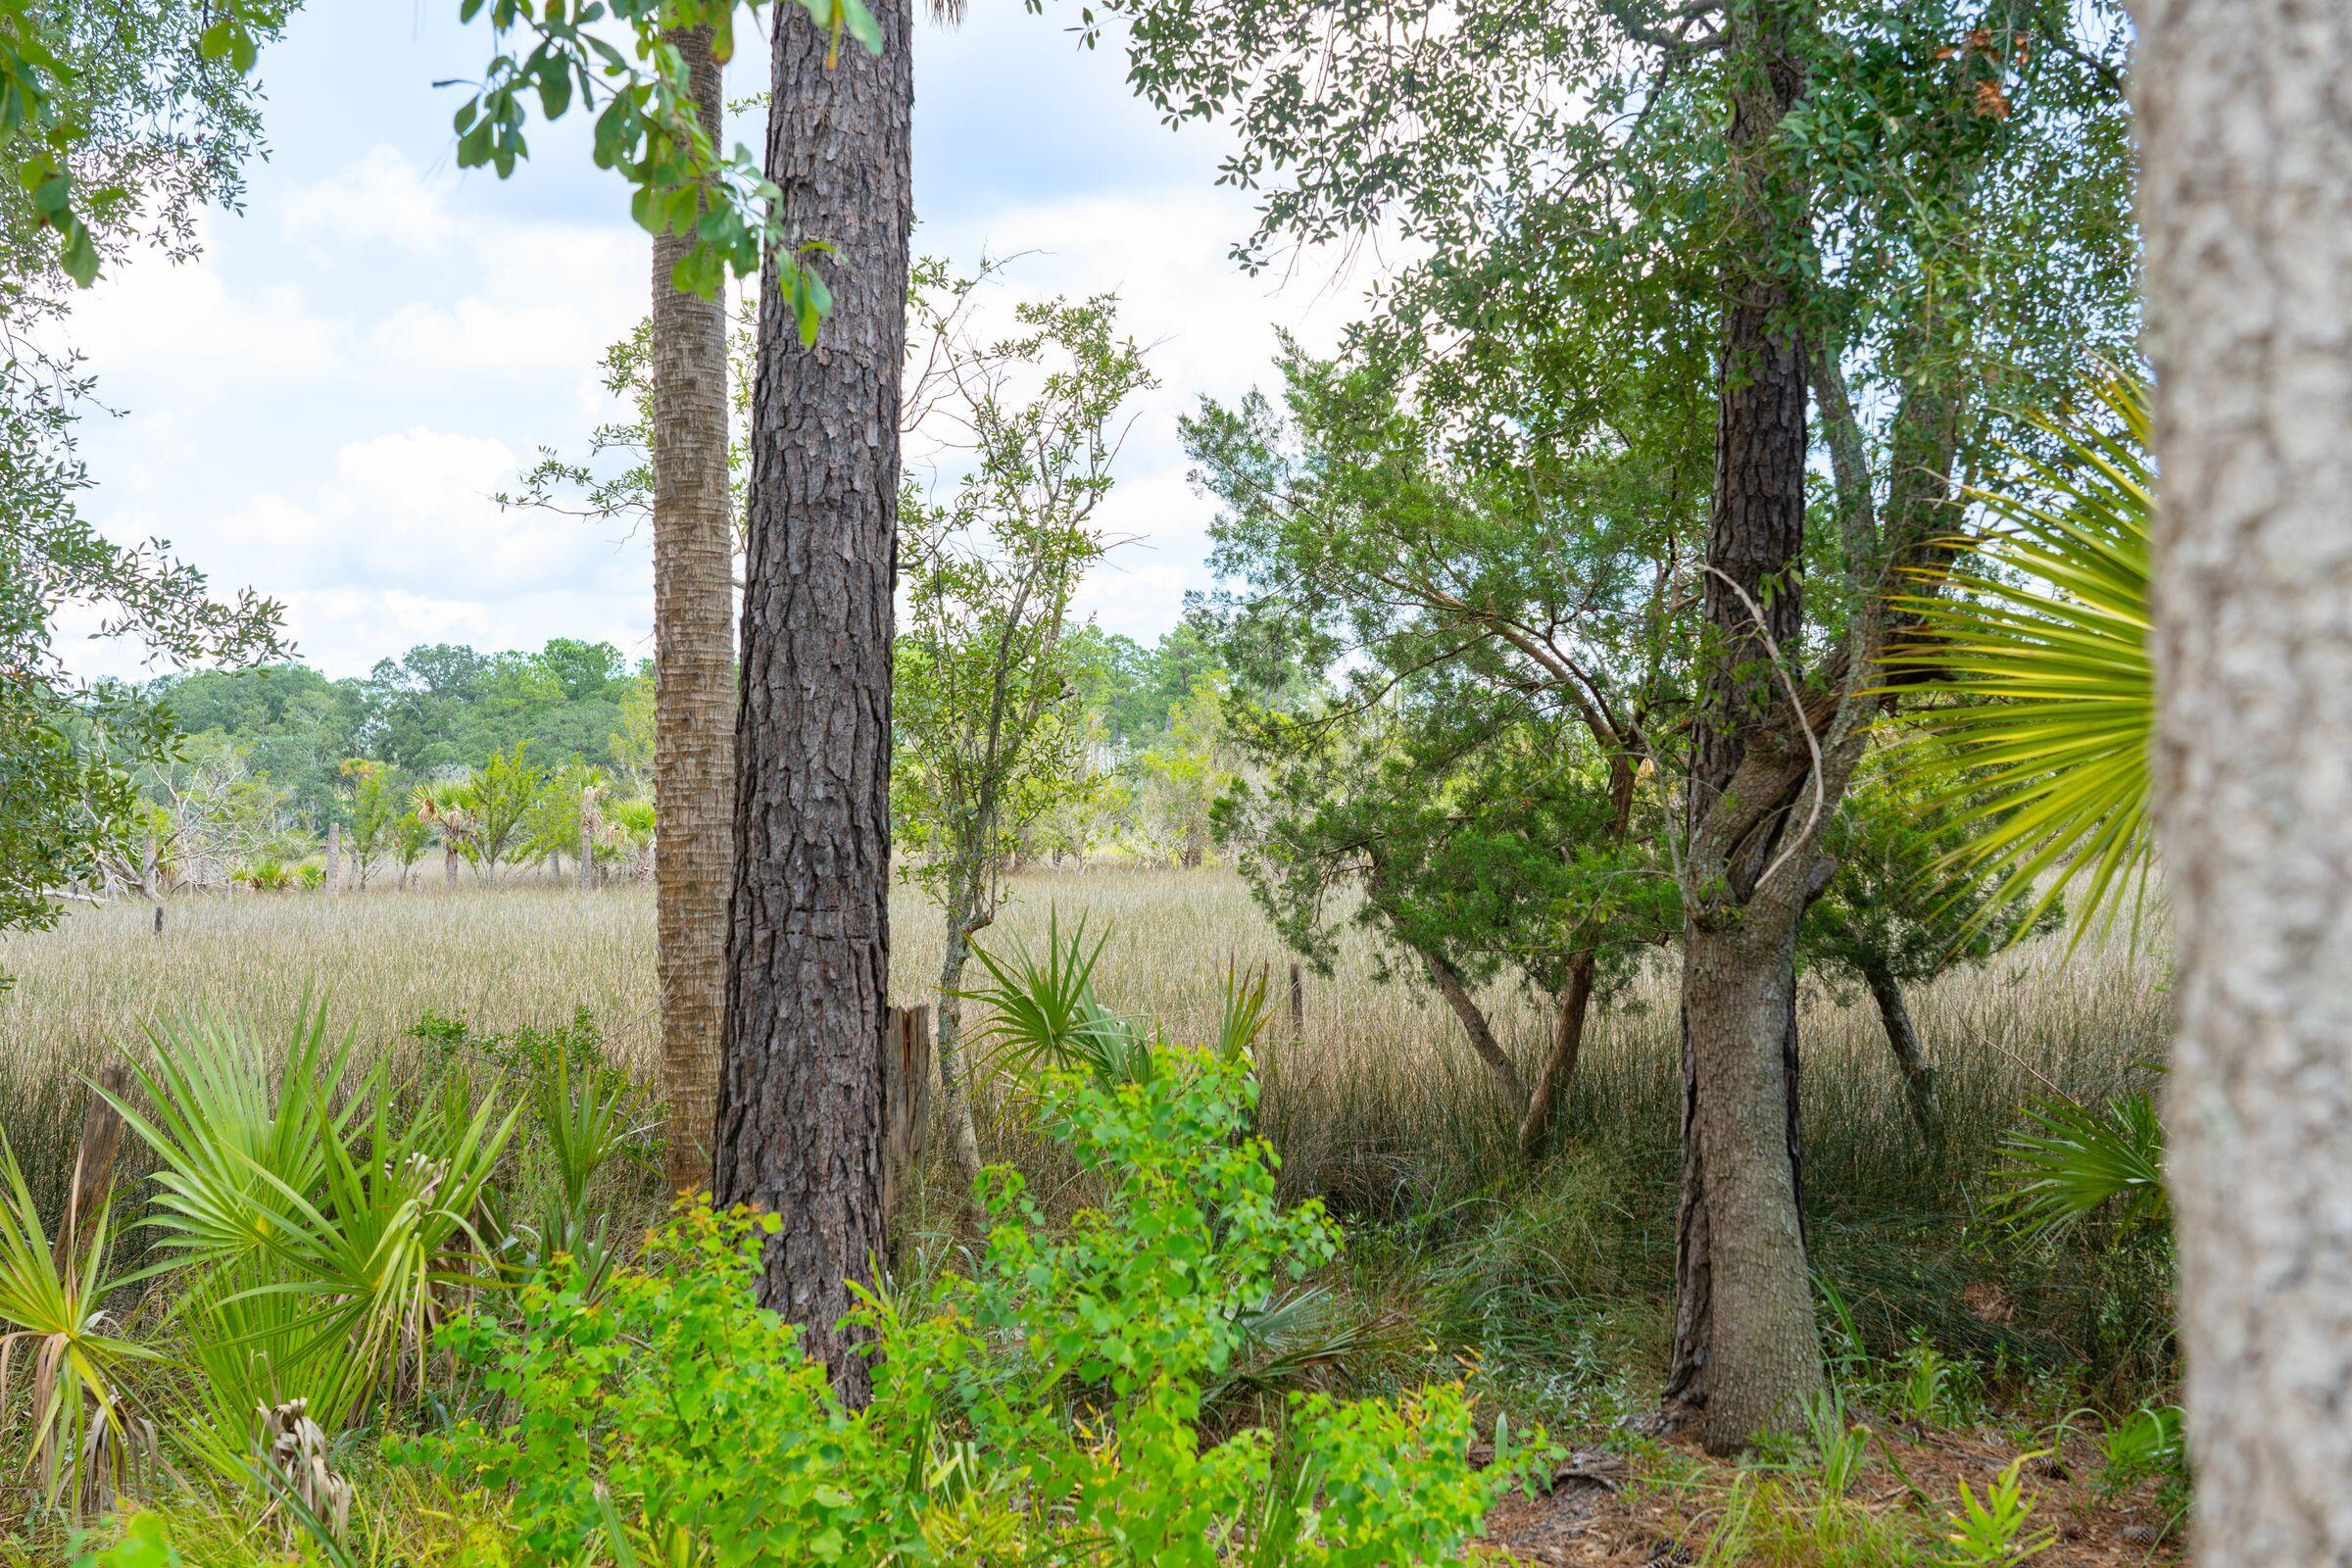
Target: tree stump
905	1102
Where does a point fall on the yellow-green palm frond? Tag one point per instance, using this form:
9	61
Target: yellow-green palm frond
2033	646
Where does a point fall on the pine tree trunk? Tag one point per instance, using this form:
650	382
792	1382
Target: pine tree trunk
694	676
801	1090
1746	1356
1919	1078
2245	131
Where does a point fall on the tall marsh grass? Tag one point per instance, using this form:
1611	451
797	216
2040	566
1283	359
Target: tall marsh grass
1375	1104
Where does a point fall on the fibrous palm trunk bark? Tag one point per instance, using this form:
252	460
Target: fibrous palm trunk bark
2245	132
694	673
801	1086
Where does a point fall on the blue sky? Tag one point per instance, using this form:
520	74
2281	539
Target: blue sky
322	405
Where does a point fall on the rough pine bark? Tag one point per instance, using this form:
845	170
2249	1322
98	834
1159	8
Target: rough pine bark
1746	1356
694	676
2245	130
801	1088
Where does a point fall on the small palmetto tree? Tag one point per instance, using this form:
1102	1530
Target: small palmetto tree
443	807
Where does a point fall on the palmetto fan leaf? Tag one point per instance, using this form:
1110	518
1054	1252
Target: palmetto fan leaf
2037	645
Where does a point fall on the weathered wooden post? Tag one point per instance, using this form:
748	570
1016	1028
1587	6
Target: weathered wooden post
905	1102
590	820
151	881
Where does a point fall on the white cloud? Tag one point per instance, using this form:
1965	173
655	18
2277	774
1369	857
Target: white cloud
324	403
382	200
181	324
548	299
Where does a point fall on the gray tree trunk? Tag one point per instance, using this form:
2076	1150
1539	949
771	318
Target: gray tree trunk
1902	1037
2245	129
1746	1356
1489	1050
800	1128
335	856
955	1067
694	677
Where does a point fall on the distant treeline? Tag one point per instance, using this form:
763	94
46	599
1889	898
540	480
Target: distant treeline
443	708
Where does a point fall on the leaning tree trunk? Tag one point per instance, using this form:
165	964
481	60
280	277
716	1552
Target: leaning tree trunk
1746	1356
1560	1066
1902	1037
799	1098
2245	132
694	673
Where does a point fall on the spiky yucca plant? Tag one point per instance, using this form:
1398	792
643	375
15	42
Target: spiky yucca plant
322	1220
2034	648
58	1343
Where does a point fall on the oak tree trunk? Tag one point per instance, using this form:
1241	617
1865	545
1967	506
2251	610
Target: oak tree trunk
1746	1356
800	1128
2245	130
1763	1354
693	673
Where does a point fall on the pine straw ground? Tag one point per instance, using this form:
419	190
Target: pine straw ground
1670	1504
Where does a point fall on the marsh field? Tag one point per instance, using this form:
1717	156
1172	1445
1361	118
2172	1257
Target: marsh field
1556	1275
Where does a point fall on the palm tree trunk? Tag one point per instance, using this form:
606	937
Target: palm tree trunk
694	669
800	1128
2245	139
448	864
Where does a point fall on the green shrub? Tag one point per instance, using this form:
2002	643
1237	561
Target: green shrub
266	875
1047	1408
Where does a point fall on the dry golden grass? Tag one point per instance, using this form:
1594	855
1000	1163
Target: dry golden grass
1376	1105
1380	1080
